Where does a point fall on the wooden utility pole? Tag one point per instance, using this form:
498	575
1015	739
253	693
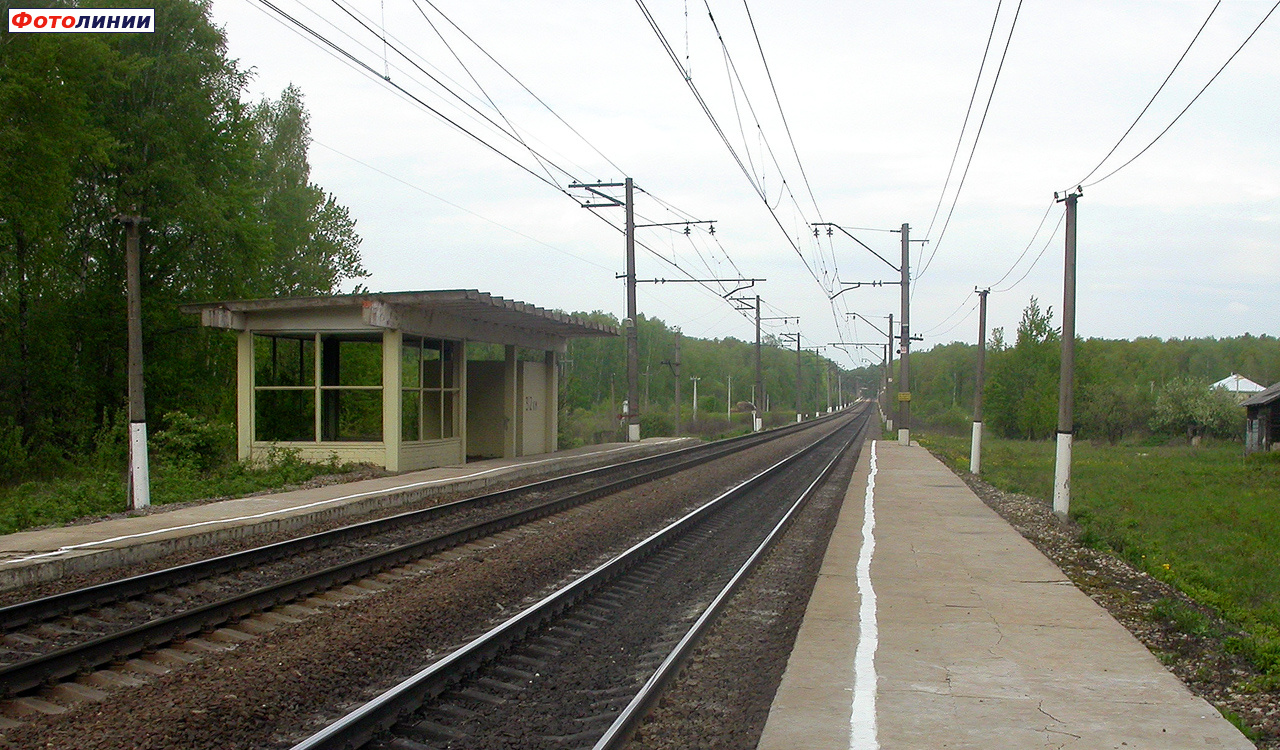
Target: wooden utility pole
975	448
1066	374
139	466
904	375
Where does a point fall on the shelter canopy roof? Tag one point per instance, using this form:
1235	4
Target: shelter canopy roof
455	313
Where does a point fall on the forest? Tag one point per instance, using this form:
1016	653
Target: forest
93	125
158	124
1144	388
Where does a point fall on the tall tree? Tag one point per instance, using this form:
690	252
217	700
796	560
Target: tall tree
93	125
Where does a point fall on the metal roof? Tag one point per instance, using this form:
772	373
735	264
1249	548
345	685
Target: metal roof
1264	398
1238	384
462	303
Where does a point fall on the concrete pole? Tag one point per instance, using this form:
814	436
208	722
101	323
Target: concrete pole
675	366
1066	374
633	346
139	466
888	380
904	335
828	387
975	448
799	382
728	401
759	392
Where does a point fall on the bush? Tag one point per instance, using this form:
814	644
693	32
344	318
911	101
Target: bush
193	443
656	425
14	462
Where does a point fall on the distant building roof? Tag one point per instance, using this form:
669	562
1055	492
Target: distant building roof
1238	384
1265	397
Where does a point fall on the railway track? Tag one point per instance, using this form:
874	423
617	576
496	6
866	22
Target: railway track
60	637
581	667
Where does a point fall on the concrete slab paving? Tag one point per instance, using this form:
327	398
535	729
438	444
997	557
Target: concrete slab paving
981	642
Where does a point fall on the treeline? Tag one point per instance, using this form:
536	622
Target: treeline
93	125
595	375
1122	388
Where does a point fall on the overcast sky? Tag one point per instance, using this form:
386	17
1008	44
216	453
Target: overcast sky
1185	241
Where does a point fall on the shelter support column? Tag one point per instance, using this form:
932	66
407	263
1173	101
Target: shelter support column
392	342
552	401
244	394
510	405
461	402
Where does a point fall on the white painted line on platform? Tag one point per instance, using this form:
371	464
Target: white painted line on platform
290	509
862	722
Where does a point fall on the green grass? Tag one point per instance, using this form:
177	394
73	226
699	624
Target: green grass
1203	519
95	492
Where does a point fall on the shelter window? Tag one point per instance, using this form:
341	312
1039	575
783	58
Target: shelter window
336	396
429	372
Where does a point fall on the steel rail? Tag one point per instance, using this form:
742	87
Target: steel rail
30	674
79	600
619	733
379	714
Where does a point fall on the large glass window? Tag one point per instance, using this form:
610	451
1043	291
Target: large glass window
429	384
337	394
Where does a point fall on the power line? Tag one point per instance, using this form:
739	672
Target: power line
464	209
1150	101
715	124
973	96
360	64
1026	249
1047	242
977	136
1193	99
521	84
786	126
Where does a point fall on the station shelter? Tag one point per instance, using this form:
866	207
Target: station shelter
384	378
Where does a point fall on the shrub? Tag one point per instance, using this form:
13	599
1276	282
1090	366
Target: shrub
14	461
194	443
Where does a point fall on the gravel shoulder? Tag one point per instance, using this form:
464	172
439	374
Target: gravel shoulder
275	688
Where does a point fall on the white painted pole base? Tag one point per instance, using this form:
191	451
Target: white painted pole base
888	424
139	473
904	437
756	422
975	450
633	433
1062	476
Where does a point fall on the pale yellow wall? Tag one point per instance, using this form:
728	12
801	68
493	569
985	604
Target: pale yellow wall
484	415
244	394
533	408
368	453
391	398
430	454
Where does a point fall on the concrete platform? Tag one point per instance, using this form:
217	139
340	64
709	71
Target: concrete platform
46	554
944	628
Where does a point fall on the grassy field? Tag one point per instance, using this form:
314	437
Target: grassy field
1204	519
93	491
